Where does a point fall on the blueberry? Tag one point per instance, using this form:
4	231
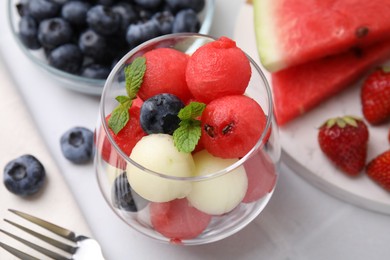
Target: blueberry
24	175
124	197
95	71
22	8
164	21
54	32
75	12
186	21
43	9
28	32
127	13
93	45
103	20
105	2
177	5
118	47
77	145
149	4
144	14
67	57
159	114
141	32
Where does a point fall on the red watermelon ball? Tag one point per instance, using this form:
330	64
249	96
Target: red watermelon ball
165	73
231	126
218	69
178	220
261	174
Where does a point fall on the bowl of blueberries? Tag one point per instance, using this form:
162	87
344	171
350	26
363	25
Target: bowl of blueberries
78	42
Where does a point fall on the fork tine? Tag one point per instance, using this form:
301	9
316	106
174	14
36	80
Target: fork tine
40	249
67	248
63	232
17	252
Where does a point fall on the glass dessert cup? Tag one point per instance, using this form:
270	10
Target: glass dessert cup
252	176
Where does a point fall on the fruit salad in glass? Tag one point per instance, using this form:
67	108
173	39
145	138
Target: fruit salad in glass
187	148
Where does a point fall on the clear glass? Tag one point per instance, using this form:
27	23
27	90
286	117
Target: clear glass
260	165
74	82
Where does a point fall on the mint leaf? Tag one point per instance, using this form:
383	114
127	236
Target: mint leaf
123	99
134	74
119	117
191	111
187	135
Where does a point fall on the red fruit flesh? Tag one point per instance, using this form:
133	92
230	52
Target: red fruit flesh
178	220
218	69
375	97
299	89
261	176
378	170
345	146
304	30
165	73
126	139
231	126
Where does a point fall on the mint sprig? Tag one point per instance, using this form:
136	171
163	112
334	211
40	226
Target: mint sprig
134	74
187	135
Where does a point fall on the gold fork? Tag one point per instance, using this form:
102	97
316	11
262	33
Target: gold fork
83	248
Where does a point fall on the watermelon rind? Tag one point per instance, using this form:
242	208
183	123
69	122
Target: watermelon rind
267	44
293	32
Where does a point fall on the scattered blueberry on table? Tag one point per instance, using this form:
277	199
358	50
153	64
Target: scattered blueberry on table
103	30
77	145
24	176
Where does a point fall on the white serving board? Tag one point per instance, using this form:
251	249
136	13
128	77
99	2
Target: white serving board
301	151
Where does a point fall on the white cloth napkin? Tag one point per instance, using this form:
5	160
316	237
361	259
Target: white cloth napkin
18	136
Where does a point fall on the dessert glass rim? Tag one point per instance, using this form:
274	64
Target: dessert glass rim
231	167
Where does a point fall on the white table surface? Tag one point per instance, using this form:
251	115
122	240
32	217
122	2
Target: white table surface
300	222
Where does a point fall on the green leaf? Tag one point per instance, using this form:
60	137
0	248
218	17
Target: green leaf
351	120
340	122
330	122
134	74
191	111
123	99
187	135
119	118
386	69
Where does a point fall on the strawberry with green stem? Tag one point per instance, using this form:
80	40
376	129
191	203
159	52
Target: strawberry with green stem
375	96
344	141
378	169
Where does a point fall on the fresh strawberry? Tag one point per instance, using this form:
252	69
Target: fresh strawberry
378	169
344	141
375	96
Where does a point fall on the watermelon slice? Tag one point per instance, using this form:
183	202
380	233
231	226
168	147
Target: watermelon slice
291	32
299	89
